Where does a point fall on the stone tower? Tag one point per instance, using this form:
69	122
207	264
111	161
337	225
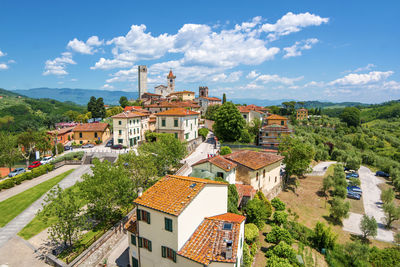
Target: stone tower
203	91
142	80
171	82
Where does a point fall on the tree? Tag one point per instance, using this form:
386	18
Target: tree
298	156
167	151
9	153
63	209
323	237
339	209
211	112
397	239
260	195
223	98
278	204
339	181
91	105
247	258
203	132
233	199
392	213
353	162
283	250
250	233
229	123
278	234
257	212
280	217
225	150
107	190
387	195
327	184
368	226
72	115
43	141
351	116
275	261
100	108
123	101
27	144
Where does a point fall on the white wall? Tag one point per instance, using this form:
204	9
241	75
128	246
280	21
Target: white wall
267	182
187	124
230	176
130	128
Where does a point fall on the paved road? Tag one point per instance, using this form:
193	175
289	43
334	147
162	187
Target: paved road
320	168
200	153
31	183
19	222
372	206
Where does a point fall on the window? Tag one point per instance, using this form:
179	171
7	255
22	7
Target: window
135	262
220	174
120	141
176	135
168	253
168	224
175	123
143	215
186	136
80	142
264	174
134	131
187	123
144	243
227	226
80	135
266	134
282	122
95	135
191	126
275	179
245	116
133	240
257	176
120	132
119	122
163	122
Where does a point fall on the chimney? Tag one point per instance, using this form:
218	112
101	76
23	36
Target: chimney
140	191
228	251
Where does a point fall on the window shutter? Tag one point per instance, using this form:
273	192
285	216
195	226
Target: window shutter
163	251
174	256
148	217
139	215
149	242
140	242
133	240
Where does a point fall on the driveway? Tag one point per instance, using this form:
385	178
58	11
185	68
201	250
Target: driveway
320	168
19	222
372	206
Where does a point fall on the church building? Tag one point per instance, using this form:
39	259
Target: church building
163	90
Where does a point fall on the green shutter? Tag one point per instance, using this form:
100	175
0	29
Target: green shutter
163	251
148	217
174	256
168	224
135	262
133	240
139	215
140	242
149	242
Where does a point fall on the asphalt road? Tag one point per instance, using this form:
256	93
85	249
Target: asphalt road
320	168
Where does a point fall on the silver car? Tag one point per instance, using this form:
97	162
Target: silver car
88	146
16	172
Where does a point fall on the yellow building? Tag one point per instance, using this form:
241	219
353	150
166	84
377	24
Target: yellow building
275	127
302	114
276	119
91	132
182	95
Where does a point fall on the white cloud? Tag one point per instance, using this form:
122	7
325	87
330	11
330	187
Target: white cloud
295	50
106	64
124	75
291	23
2	54
3	66
391	85
365	68
222	77
11	61
58	65
252	74
267	78
85	48
107	86
362	79
74	80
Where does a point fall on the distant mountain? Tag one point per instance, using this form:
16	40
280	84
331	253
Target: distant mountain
307	104
78	96
259	102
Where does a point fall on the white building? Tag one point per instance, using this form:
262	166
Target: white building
249	115
166	90
142	80
183	221
181	122
218	166
129	128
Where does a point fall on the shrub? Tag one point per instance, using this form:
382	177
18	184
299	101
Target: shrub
384	257
278	234
275	261
203	132
300	232
247	258
225	150
250	233
278	204
283	250
7	184
257	212
280	217
323	237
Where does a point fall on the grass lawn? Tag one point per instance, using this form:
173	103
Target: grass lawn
11	207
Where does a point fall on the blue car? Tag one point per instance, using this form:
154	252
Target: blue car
16	171
353	195
382	174
354	189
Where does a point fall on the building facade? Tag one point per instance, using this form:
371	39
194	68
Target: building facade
86	133
218	166
183	221
61	136
182	95
163	90
142	80
129	128
183	123
301	114
274	128
249	115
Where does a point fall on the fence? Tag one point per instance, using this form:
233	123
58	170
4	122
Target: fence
182	169
67	162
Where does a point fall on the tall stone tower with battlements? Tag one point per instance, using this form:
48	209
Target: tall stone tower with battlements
203	91
142	80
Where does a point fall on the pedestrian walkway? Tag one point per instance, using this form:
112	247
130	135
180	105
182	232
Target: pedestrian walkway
19	222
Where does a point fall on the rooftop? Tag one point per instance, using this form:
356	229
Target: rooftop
131	225
173	193
61	131
91	127
177	112
174	104
211	98
170	75
129	114
150	94
276	117
208	243
181	92
220	162
253	159
245	190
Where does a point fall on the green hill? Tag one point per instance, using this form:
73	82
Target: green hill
19	113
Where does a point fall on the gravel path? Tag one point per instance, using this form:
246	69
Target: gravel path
320	168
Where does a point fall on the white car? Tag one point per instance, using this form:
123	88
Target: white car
46	160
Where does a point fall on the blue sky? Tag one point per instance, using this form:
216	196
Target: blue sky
304	50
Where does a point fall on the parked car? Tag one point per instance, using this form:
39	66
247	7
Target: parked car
117	146
46	160
352	175
109	143
353	195
34	164
67	148
354	189
382	174
346	169
87	146
16	172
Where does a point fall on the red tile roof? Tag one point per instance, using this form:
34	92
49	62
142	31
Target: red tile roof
61	131
170	74
131	225
211	98
220	162
91	127
245	190
253	159
127	115
177	112
276	117
208	242
174	104
173	193
181	92
150	94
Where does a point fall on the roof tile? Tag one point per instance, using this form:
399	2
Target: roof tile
91	127
253	159
177	112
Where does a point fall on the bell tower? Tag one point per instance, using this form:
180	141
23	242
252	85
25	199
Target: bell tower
203	91
171	82
142	80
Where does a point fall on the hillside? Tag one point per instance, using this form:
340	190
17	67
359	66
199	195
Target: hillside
78	96
19	113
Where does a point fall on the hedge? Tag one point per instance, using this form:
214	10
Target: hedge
69	156
18	179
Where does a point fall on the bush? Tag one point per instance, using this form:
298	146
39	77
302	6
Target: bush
283	250
247	258
278	204
250	233
323	237
203	132
278	234
257	212
300	232
225	150
275	261
7	184
384	257
280	217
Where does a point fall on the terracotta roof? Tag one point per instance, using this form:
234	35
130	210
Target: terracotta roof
61	131
150	94
170	74
127	115
276	128
245	190
174	104
131	225
91	127
181	92
161	85
211	98
253	159
276	117
173	193
177	112
129	108
218	161
208	243
257	108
